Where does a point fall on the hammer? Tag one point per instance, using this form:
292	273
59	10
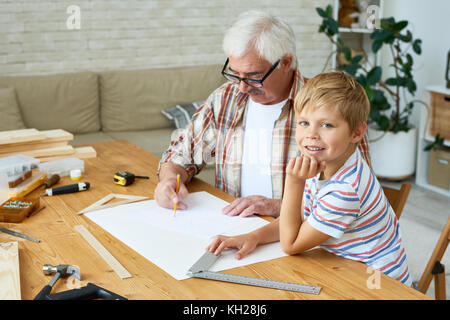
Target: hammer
62	270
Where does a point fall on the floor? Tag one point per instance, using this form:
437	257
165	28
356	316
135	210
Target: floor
421	224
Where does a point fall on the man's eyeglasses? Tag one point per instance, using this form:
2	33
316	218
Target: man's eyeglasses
256	83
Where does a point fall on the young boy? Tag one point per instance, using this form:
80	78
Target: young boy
331	197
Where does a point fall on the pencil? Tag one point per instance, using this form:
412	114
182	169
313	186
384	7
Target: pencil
176	190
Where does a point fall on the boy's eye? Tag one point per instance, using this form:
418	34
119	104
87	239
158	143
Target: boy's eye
327	125
303	123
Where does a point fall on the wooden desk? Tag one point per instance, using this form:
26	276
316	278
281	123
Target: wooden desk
60	243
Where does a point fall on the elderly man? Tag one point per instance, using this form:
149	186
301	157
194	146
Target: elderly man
247	125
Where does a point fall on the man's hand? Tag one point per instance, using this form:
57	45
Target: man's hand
166	196
253	205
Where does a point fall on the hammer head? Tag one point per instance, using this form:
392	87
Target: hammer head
64	270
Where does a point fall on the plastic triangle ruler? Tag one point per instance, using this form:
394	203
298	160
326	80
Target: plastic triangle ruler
102	203
200	270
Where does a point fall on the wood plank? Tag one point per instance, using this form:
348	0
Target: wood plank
17	148
20	136
57	135
48	152
9	271
79	152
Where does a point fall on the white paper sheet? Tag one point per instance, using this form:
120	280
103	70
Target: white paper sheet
175	243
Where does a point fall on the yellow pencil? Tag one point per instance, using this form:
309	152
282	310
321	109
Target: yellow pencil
176	190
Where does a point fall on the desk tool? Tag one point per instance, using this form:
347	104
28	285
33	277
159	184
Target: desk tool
105	254
15	210
124	178
17	234
71	188
102	203
200	270
51	181
62	270
91	291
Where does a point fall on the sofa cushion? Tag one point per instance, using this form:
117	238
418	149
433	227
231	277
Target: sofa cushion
134	99
10	118
61	101
181	114
90	138
154	141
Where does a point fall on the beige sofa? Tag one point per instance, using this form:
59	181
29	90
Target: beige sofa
111	105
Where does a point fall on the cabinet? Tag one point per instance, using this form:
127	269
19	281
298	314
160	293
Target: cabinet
424	139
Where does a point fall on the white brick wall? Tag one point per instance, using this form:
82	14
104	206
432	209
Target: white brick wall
140	34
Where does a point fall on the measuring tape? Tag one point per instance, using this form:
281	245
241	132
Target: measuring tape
125	178
200	270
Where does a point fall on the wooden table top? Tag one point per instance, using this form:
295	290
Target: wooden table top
61	244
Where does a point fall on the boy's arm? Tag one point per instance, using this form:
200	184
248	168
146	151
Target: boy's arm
296	235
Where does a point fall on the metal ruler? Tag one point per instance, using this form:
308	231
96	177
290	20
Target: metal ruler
200	270
17	234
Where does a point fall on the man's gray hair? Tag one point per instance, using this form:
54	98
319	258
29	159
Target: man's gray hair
271	37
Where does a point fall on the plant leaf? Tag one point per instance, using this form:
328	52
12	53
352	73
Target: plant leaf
374	76
417	46
376	45
321	12
329	11
400	25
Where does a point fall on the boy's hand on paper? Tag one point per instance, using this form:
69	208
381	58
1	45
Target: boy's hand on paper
248	206
303	167
166	196
245	243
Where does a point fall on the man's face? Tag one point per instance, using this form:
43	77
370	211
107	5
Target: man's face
276	86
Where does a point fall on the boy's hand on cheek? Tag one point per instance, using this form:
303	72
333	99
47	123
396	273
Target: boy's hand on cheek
301	168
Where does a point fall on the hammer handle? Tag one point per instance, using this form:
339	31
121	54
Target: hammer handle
43	293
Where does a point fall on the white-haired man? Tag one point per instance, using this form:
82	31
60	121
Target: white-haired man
247	125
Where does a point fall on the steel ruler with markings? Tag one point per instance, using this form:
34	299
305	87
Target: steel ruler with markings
200	270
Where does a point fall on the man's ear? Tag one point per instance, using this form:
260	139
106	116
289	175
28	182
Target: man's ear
286	62
359	132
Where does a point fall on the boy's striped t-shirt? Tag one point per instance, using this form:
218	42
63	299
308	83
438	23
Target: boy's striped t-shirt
352	208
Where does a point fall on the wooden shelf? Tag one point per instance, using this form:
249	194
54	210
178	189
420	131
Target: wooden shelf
355	30
424	139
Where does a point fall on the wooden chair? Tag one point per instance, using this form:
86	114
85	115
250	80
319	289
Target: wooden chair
397	197
435	268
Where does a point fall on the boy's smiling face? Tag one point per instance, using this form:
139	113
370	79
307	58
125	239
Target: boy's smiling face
324	134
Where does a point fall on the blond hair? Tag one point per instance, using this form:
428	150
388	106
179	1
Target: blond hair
335	89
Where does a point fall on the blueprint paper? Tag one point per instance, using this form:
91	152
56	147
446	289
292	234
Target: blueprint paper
175	243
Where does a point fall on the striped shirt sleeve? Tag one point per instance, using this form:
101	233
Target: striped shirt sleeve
194	146
337	206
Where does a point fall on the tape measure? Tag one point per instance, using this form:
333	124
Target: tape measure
125	178
200	270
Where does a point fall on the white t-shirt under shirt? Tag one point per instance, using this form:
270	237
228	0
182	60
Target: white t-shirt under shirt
257	149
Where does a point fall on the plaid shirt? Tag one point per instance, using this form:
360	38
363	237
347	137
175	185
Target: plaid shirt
216	135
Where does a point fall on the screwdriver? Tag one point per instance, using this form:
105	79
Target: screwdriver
82	186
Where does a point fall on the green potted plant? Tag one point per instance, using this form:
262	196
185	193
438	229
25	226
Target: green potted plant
389	115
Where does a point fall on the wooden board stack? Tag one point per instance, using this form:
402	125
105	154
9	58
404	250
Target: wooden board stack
45	145
9	271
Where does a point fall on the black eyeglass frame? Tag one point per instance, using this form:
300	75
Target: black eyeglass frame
256	83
